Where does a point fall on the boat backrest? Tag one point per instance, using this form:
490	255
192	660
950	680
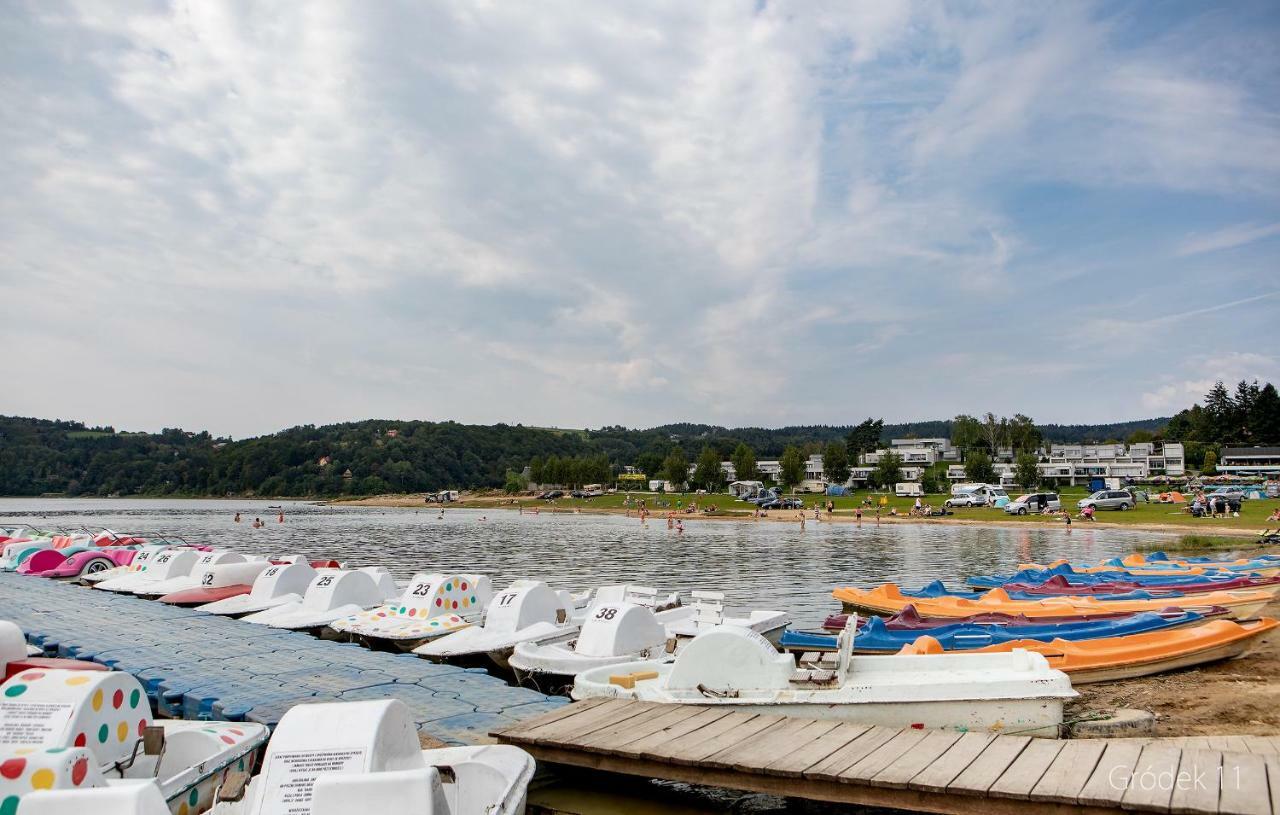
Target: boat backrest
145	556
708	608
279	580
13	645
387	588
232	574
617	629
140	797
57	768
171	563
105	711
522	604
641	595
728	658
214	557
844	646
419	791
447	593
330	590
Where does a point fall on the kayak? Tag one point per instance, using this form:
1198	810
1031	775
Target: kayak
911	619
889	599
1163	557
1023	591
1213	579
876	638
1114	658
1258	568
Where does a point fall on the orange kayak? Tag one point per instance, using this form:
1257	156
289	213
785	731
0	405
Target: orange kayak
1113	658
888	599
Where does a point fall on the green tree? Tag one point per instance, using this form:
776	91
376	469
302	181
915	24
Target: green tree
675	467
1026	473
966	431
934	479
791	467
1210	465
835	462
1264	419
709	474
1023	434
864	438
536	471
744	462
1140	436
515	483
978	469
888	470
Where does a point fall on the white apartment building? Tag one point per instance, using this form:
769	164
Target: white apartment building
1078	463
1250	461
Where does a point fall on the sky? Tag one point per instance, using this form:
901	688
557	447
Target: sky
243	216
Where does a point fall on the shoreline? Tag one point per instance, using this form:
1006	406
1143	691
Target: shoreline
840	516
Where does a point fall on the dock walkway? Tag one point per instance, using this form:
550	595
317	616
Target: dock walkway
920	770
202	666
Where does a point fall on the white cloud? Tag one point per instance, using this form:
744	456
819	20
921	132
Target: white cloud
1228	237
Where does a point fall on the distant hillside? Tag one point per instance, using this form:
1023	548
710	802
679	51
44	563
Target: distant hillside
40	456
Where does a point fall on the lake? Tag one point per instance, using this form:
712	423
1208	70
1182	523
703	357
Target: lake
762	565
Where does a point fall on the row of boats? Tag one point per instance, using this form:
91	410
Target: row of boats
1001	655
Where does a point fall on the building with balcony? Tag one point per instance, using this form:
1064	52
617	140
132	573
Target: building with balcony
1250	461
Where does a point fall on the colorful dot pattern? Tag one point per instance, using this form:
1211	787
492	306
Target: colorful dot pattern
25	770
433	605
108	708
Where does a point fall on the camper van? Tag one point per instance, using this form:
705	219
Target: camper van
908	489
975	495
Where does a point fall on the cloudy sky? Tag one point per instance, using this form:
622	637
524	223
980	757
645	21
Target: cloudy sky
247	216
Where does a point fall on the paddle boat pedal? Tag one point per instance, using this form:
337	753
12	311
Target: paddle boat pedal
106	713
347	757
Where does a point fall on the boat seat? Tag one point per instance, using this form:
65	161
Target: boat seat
708	608
814	676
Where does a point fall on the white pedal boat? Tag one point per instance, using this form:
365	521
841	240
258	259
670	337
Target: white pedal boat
48	714
331	596
144	556
431	606
275	586
164	565
733	667
612	633
32	540
526	611
708	612
343	758
191	580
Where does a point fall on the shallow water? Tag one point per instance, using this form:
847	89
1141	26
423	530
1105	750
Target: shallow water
757	564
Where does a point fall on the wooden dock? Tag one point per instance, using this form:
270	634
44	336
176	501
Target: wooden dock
920	770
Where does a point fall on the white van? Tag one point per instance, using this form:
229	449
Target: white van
975	495
908	489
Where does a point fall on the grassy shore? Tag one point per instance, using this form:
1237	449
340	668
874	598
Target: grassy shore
1152	516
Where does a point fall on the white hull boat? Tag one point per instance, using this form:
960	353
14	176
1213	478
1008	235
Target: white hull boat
343	758
431	606
144	556
275	586
526	611
331	596
191	580
70	729
733	667
164	565
708	612
613	632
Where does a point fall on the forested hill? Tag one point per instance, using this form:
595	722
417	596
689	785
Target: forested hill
39	456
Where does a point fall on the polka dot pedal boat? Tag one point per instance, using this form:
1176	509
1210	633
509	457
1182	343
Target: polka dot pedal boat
431	606
62	729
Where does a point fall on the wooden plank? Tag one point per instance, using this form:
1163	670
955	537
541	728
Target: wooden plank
1027	769
668	717
697	753
797	762
514	730
1273	780
1234	744
950	764
617	731
1110	778
895	748
1067	775
591	720
1261	745
658	741
1244	785
749	754
1153	780
791	743
987	768
909	766
836	763
1196	789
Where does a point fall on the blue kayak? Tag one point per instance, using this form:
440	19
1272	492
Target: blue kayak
1164	557
875	638
1256	563
937	589
1036	576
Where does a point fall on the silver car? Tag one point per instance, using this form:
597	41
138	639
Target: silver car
1109	499
1034	503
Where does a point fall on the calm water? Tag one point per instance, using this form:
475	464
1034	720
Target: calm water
757	565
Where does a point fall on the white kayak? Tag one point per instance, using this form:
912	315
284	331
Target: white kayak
526	611
331	596
62	726
340	758
277	585
431	606
612	633
734	667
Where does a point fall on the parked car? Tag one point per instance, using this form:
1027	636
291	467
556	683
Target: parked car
1034	503
1236	494
977	495
1109	499
551	495
783	503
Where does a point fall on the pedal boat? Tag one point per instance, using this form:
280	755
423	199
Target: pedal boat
341	758
277	585
91	561
729	667
888	599
1110	659
159	567
192	578
330	596
17	656
431	606
218	582
107	713
875	637
526	611
612	633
